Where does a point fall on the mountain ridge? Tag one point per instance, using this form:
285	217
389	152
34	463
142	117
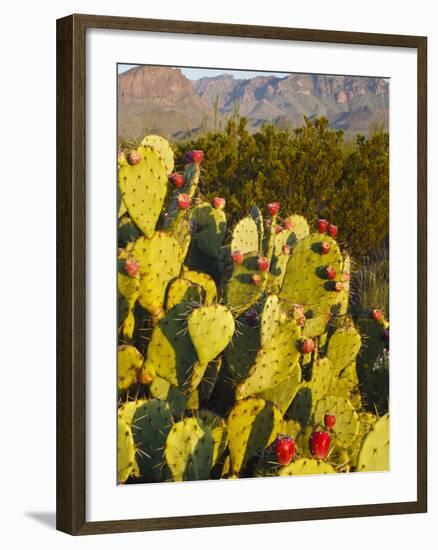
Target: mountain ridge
163	100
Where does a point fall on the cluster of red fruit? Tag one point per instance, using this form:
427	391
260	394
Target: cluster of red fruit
325	227
319	443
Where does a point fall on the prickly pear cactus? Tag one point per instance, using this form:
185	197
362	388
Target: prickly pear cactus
245	285
234	344
274	362
171	354
189	450
158	258
126	463
211	329
245	237
346	427
209	226
162	149
252	425
129	362
374	454
143	189
305	280
150	426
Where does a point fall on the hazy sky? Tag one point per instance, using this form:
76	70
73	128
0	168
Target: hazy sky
194	74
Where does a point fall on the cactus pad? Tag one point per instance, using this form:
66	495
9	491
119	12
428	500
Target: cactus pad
242	351
347	421
274	361
284	392
161	147
343	347
151	423
290	237
143	188
245	236
374	454
189	450
304	281
126	464
211	329
306	466
241	292
159	263
129	362
209	226
170	353
321	378
252	425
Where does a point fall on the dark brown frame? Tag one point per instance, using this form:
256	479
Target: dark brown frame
71	266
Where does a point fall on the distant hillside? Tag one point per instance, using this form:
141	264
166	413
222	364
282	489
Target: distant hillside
163	100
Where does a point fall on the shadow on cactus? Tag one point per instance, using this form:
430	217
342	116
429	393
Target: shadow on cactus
238	353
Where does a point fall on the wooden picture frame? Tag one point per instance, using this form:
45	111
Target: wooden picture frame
71	272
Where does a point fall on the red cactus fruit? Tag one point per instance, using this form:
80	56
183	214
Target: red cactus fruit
319	445
278	229
178	180
332	230
219	203
322	225
262	263
377	314
256	279
284	449
307	346
183	201
330	273
131	266
134	157
273	208
237	257
325	247
195	156
329	421
285	249
288	225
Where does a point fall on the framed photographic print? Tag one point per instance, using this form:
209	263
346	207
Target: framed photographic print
241	218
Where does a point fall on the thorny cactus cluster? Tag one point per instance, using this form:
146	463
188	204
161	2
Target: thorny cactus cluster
237	355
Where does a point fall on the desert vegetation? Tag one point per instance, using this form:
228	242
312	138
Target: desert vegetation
253	324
